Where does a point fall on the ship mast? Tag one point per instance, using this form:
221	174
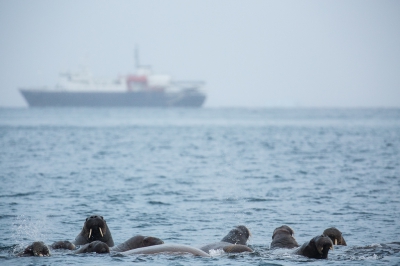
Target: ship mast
137	63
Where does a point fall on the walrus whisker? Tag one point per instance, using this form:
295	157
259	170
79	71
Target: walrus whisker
90	233
101	232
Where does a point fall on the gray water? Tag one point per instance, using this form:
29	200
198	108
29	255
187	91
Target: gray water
188	176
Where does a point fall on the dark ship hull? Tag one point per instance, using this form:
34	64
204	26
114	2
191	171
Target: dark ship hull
44	98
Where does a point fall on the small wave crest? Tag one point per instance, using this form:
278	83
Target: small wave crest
26	230
216	252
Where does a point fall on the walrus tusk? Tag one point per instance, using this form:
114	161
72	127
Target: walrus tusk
101	232
90	232
335	241
331	247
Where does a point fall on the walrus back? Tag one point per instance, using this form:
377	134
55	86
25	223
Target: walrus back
137	241
167	248
226	247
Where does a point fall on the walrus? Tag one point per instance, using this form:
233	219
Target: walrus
226	247
135	242
239	235
316	248
138	241
168	249
63	245
94	228
335	235
94	246
234	242
283	238
37	249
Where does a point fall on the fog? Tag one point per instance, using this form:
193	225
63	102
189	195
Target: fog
249	53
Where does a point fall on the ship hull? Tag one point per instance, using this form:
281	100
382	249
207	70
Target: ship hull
42	98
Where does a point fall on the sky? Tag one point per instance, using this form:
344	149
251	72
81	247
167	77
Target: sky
249	53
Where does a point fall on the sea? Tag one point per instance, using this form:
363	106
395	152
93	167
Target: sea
189	176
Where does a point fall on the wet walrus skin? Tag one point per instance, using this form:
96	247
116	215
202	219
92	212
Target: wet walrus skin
283	238
94	228
37	249
234	242
167	249
138	241
94	246
226	247
63	245
132	243
335	235
239	235
316	248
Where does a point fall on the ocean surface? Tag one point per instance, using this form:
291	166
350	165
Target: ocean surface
188	176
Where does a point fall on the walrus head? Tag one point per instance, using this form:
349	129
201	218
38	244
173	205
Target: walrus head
282	237
95	246
284	229
151	241
140	241
95	228
335	235
322	244
37	249
63	245
239	235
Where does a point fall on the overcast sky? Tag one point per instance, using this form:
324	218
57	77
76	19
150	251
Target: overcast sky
250	53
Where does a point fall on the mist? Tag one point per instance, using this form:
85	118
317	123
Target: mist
249	53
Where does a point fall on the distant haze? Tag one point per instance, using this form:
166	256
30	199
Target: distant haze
252	53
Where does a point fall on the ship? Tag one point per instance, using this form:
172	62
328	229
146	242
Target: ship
141	89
